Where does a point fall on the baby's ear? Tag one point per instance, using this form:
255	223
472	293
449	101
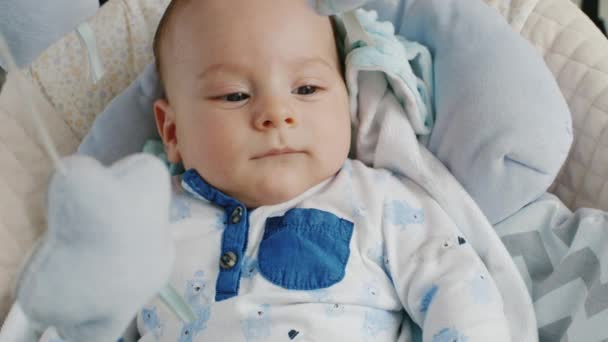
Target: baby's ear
165	123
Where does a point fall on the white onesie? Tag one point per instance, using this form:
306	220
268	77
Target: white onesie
344	261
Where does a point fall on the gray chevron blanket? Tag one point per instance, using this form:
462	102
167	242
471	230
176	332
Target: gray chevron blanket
563	258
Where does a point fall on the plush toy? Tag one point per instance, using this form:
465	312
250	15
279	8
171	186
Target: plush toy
107	249
106	252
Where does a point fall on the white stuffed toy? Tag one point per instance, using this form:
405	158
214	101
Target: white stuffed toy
106	252
107	249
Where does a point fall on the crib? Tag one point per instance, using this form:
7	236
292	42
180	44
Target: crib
573	48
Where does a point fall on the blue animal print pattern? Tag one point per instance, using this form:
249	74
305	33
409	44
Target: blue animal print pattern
377	322
152	322
249	268
334	310
482	290
196	296
378	255
330	309
399	213
370	294
195	290
189	330
449	335
258	324
427	298
180	208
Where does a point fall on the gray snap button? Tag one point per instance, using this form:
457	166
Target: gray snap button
236	215
228	260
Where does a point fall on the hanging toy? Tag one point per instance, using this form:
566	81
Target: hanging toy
107	250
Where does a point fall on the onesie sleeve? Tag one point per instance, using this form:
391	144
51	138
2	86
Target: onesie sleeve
441	281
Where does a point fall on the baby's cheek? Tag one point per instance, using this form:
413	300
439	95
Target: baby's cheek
201	150
340	137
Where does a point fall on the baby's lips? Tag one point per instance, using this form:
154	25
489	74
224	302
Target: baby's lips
275	152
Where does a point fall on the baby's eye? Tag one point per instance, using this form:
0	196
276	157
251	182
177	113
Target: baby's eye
234	97
306	90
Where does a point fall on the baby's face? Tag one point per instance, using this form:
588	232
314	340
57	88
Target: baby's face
256	101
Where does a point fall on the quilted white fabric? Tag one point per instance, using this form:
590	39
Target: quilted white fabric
573	48
577	54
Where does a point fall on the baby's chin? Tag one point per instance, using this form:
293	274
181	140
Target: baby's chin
265	195
276	185
277	190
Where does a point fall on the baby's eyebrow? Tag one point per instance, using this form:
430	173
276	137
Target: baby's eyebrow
305	62
233	68
228	68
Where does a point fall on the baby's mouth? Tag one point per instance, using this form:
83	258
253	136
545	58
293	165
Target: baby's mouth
276	152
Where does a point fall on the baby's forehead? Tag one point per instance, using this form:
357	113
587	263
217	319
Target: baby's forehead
211	29
234	15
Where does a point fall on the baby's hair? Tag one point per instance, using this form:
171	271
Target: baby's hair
338	33
168	17
163	27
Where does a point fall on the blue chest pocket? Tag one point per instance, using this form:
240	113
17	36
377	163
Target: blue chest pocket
306	249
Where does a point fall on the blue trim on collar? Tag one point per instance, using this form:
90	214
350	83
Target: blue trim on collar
234	238
207	191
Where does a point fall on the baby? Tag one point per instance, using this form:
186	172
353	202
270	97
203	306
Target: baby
280	237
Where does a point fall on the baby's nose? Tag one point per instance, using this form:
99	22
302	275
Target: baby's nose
287	120
275	116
